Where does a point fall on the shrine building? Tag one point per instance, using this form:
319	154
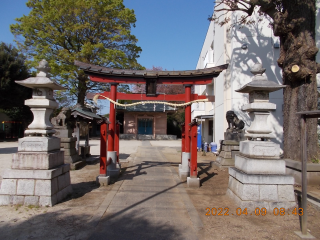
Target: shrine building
148	121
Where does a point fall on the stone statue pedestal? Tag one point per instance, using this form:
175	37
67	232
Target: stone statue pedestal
71	155
62	132
67	142
228	149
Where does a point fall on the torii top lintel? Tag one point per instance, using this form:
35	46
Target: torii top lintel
112	75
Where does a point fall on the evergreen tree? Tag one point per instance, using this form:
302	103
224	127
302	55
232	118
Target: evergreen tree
91	31
12	95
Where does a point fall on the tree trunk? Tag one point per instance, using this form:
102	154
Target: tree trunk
299	97
82	88
296	28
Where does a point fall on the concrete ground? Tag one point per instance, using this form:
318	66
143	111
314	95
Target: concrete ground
127	147
150	202
147	201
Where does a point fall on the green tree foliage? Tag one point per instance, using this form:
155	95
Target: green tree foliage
12	95
91	31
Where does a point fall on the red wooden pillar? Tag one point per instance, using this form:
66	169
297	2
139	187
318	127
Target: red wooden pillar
116	140
183	138
187	117
103	148
112	117
193	138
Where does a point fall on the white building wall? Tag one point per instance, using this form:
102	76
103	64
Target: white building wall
227	49
222	82
260	48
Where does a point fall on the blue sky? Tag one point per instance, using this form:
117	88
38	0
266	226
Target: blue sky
170	32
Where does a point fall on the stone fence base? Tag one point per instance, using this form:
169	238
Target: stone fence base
293	168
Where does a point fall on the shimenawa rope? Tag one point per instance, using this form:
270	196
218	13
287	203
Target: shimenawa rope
95	99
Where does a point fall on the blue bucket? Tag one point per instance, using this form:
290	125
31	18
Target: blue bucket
213	147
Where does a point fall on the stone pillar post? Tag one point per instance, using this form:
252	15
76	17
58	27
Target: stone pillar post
38	175
259	178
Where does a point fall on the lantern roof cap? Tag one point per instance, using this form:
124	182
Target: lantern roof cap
260	82
42	79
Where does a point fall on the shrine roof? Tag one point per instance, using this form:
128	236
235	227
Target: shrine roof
94	69
85	113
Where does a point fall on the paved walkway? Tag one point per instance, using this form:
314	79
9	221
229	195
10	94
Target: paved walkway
148	202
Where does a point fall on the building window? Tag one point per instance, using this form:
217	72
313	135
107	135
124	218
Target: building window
210	127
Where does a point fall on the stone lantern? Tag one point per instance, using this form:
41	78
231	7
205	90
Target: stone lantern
38	175
258	178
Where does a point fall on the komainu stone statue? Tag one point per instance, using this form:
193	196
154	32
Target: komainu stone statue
62	118
229	147
234	123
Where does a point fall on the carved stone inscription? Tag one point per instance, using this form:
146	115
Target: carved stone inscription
269	151
27	146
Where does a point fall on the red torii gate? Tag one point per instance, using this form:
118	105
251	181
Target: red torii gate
151	78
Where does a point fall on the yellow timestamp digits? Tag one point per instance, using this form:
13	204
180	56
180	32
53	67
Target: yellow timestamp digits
282	211
258	212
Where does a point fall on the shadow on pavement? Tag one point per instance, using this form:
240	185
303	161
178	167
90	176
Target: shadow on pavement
60	224
204	171
136	169
123	156
135	227
93	159
70	223
8	150
80	189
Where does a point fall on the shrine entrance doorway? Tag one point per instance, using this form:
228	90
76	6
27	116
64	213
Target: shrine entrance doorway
145	126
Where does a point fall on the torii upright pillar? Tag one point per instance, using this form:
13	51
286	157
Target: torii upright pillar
184	169
112	169
193	181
